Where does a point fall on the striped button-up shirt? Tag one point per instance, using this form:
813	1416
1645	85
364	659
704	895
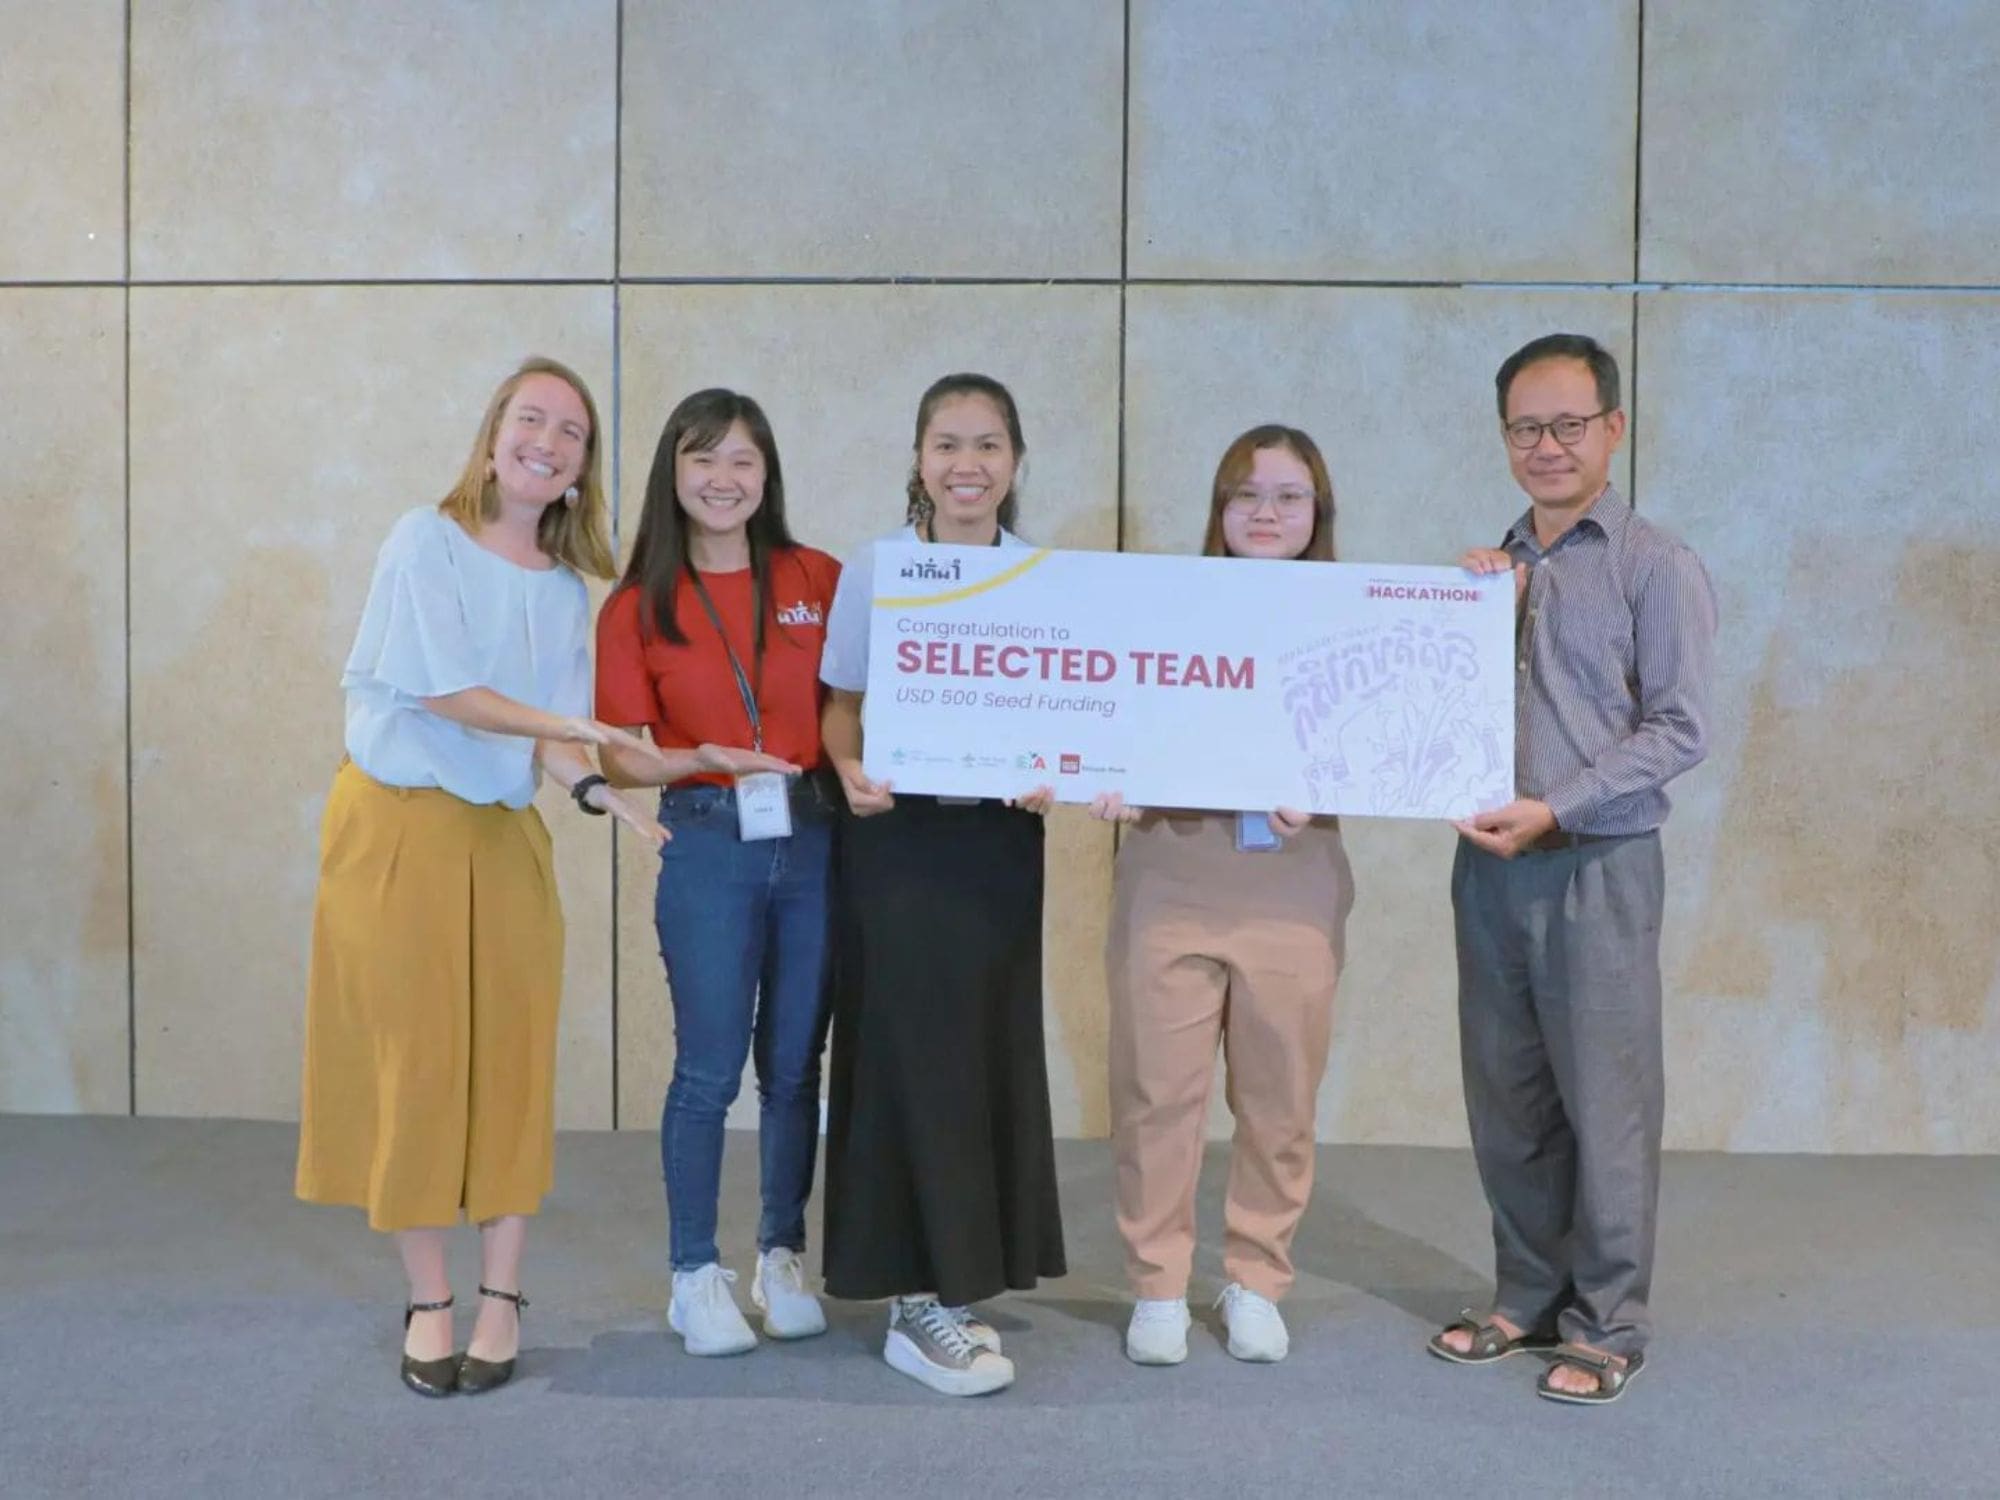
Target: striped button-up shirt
1614	650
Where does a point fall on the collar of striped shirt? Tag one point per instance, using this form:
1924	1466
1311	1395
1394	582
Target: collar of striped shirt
1608	513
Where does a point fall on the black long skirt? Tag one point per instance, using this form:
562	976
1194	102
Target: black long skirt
940	1165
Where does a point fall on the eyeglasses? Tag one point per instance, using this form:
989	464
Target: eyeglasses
1569	430
1289	502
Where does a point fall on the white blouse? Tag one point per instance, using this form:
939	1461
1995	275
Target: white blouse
843	663
445	614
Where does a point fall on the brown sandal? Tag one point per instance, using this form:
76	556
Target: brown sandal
1612	1375
1490	1342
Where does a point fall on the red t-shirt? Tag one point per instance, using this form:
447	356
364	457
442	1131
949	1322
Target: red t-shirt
688	695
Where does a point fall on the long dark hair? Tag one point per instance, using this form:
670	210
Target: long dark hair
660	550
920	508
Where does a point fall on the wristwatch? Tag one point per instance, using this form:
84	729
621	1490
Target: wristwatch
582	790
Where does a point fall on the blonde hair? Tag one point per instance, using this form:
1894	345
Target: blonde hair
577	535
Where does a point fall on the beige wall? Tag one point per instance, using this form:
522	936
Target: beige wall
258	275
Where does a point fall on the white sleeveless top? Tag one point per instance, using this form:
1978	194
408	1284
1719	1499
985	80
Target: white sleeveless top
843	663
445	614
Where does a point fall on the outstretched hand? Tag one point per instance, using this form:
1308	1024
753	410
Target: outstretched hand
632	814
734	762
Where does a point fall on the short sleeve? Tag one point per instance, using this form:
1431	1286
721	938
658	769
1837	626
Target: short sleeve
844	662
825	580
413	634
625	692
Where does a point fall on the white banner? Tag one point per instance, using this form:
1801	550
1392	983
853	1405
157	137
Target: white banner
1194	682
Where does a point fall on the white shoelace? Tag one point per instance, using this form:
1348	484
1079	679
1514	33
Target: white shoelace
942	1324
713	1283
1155	1310
1237	1296
786	1270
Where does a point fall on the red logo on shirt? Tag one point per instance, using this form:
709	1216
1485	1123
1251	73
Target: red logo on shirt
800	613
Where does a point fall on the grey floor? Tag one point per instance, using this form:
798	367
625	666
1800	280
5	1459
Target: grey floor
173	1324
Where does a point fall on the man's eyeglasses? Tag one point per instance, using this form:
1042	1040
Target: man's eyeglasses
1569	430
1291	502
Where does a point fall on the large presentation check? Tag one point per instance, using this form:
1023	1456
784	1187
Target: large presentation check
1191	682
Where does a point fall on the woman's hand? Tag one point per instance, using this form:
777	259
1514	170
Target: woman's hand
591	732
1038	802
734	762
1287	821
865	798
1109	807
628	812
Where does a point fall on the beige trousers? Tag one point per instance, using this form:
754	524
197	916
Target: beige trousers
1214	946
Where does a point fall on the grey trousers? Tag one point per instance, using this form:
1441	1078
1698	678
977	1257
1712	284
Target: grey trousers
1559	1038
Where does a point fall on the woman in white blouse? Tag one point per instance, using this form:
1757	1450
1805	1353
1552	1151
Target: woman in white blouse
437	935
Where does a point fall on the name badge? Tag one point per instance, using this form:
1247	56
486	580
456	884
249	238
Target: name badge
763	807
1254	833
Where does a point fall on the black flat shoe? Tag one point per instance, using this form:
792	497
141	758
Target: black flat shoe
477	1375
429	1377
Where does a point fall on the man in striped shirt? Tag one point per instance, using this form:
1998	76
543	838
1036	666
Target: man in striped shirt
1557	896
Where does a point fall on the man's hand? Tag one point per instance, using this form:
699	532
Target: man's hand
1495	560
1506	831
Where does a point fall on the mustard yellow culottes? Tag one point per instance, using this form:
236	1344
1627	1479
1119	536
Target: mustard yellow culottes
431	1009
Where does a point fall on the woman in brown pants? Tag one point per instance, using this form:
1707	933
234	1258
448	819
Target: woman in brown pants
1227	928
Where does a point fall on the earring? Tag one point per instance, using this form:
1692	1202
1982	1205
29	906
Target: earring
569	497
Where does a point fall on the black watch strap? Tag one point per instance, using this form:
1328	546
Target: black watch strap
582	790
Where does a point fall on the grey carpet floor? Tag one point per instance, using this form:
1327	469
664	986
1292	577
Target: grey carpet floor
173	1324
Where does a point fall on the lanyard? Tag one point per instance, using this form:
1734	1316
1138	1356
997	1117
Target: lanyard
735	666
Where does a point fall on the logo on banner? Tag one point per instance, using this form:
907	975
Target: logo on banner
1070	765
1422	593
930	570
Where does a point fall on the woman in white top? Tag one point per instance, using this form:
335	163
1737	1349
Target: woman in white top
941	1185
437	935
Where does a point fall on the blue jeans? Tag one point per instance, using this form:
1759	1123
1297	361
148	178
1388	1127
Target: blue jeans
744	930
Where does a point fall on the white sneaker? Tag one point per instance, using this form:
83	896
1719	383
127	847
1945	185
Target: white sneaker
704	1312
927	1344
790	1311
1157	1334
976	1328
1256	1332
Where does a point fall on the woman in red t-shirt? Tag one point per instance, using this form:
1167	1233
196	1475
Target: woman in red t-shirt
712	643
